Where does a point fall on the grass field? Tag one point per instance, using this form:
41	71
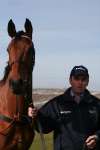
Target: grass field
36	145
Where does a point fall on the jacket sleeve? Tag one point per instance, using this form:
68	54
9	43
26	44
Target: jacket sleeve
47	117
97	132
98	125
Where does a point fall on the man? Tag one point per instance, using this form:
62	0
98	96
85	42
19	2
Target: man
73	116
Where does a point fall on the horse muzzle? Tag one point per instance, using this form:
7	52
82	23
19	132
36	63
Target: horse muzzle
18	86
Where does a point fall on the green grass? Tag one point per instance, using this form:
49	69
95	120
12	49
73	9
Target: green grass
36	145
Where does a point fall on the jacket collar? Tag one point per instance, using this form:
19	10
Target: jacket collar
87	98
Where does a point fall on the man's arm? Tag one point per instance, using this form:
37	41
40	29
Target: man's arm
45	116
93	140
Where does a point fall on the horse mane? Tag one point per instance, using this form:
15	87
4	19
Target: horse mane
19	34
6	72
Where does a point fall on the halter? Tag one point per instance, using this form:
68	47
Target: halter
14	62
24	36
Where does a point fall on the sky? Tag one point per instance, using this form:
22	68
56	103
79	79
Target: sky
66	33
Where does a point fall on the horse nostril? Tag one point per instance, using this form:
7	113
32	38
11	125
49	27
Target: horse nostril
20	82
15	83
16	86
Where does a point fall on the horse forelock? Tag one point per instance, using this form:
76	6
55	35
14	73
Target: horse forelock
21	34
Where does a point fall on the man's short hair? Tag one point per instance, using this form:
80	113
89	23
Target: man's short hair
79	71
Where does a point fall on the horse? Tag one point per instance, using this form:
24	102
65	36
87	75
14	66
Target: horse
16	130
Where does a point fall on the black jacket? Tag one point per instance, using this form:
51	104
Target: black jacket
72	123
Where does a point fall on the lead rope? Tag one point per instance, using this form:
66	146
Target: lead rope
43	145
17	109
84	147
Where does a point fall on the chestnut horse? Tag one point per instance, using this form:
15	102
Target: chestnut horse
16	132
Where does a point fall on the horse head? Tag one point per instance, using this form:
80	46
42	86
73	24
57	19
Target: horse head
21	57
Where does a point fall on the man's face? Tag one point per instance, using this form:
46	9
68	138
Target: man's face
78	83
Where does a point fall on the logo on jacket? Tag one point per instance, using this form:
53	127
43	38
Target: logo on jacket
66	112
92	111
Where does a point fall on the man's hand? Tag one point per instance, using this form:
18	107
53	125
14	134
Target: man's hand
91	141
32	112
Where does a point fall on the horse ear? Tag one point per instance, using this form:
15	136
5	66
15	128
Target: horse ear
28	28
11	28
